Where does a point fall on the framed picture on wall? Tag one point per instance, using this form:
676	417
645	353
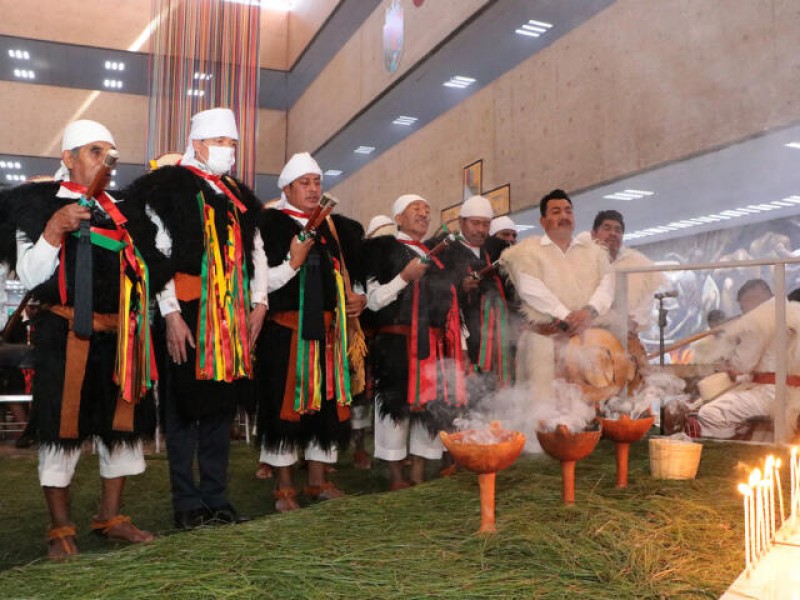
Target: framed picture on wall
473	179
450	216
500	197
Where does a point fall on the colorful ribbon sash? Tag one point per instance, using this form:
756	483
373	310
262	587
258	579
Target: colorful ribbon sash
308	381
495	346
135	368
223	350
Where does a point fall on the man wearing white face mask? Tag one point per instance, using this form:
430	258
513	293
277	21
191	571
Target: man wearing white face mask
211	315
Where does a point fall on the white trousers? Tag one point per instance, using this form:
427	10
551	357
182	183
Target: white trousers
57	466
721	417
394	441
360	416
536	363
287	458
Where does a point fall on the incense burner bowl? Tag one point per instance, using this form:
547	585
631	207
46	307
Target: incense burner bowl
485	452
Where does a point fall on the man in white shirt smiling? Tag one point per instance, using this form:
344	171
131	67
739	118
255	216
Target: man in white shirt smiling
564	284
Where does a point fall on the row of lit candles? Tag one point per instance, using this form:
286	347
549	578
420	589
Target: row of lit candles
760	518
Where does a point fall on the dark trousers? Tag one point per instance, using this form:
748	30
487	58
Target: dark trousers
209	439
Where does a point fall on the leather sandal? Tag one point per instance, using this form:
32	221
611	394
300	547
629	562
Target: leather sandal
285	500
66	536
362	460
326	491
106	529
264	471
449	471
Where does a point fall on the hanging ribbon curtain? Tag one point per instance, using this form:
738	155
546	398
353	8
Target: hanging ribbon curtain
204	54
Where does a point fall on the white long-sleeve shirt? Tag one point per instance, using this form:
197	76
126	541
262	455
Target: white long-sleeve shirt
381	295
283	273
570	271
37	261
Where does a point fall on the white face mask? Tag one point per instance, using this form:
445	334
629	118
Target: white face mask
220	159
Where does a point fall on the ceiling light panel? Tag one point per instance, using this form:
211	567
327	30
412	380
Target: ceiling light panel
333	172
113	84
24	74
795	145
364	150
627	195
406	121
114	65
459	82
18	54
533	28
724	215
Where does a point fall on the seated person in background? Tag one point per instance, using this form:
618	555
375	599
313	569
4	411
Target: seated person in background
704	349
746	346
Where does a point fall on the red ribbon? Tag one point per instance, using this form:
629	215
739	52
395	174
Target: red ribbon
425	249
121	234
220	183
295	213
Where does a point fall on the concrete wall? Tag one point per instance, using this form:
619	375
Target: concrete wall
303	23
643	83
41	112
76	21
51	108
356	75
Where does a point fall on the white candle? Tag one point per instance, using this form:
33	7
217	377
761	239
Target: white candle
746	497
780	489
762	488
793	479
755	478
769	477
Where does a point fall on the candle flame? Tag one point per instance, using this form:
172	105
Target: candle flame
777	463
745	490
755	477
768	464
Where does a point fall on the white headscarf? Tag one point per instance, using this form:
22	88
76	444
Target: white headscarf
377	223
403	201
77	134
476	206
215	122
501	223
300	164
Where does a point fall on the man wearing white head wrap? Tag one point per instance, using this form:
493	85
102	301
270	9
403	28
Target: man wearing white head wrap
75	398
503	228
305	302
213	138
80	133
408	293
360	411
201	210
380	225
481	294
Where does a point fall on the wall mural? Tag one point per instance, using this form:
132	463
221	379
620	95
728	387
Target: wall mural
702	291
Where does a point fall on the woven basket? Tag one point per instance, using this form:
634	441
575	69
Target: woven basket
674	459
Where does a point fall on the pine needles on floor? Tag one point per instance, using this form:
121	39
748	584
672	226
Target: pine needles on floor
655	539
